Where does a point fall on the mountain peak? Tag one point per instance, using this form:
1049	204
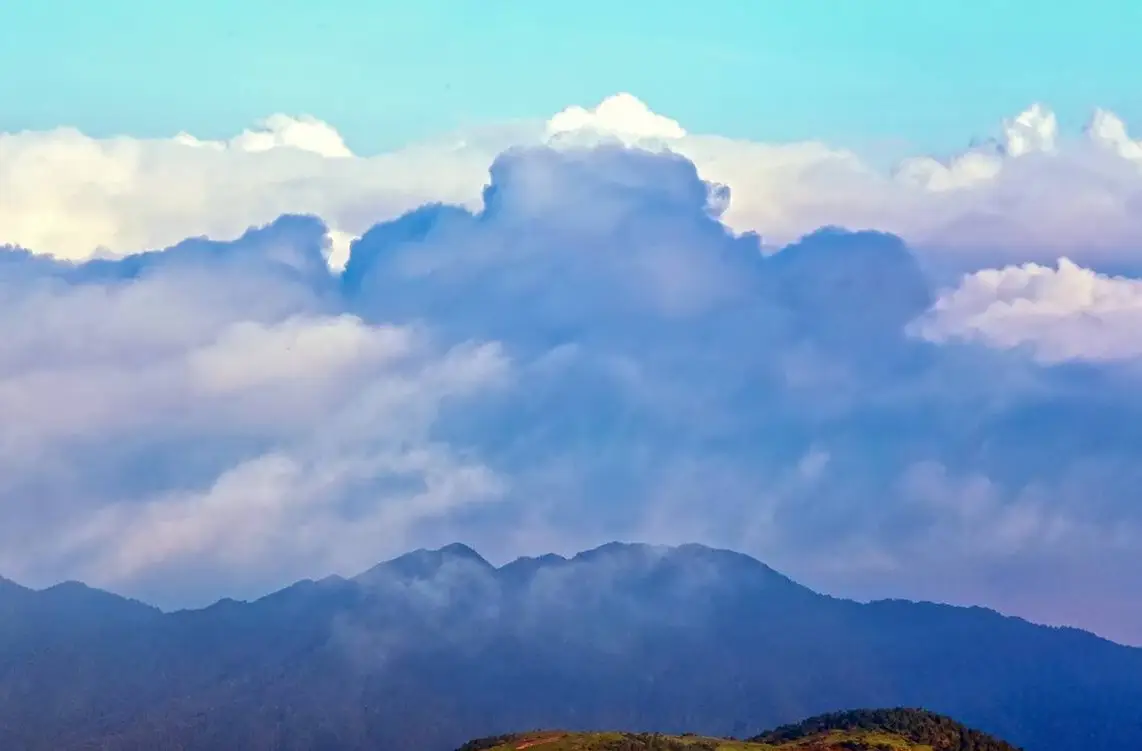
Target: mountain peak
76	594
621	548
7	586
460	550
424	563
691	552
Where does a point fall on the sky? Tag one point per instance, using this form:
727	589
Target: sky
279	303
386	72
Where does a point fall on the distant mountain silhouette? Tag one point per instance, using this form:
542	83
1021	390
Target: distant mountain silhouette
438	646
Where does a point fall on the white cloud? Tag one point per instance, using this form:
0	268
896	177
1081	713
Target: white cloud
622	115
1061	314
72	196
277	131
64	193
1107	130
337	249
304	133
1033	131
975	166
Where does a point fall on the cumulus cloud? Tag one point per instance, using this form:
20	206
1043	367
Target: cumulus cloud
302	133
1109	131
1029	190
210	403
1061	314
1033	131
580	344
75	197
619	115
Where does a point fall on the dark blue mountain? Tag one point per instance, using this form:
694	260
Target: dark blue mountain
438	646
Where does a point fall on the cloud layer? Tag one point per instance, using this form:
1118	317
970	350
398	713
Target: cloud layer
1030	190
551	337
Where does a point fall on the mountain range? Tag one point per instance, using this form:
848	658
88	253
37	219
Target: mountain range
438	646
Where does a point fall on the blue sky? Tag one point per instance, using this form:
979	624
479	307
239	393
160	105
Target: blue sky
927	73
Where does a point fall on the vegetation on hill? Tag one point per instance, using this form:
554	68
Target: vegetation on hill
858	730
917	726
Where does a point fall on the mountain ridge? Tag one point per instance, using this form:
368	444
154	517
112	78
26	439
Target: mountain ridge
415	562
430	648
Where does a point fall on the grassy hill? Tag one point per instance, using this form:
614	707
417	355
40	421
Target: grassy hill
860	730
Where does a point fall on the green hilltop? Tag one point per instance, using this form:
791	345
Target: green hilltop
858	730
